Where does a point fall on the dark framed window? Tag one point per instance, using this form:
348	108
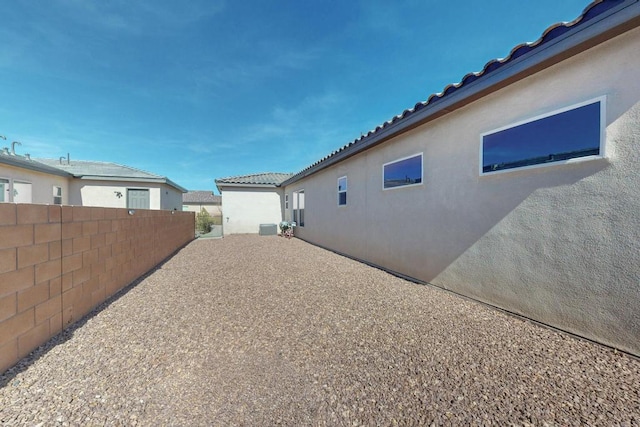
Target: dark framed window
557	137
342	191
402	172
286	202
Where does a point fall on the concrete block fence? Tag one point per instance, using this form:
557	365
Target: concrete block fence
59	262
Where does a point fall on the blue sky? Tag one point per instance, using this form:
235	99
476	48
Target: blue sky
207	89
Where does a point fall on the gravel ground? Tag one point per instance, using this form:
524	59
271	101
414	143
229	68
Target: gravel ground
253	330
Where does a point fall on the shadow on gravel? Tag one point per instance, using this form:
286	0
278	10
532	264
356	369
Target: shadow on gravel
68	332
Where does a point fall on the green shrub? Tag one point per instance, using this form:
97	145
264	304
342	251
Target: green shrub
204	221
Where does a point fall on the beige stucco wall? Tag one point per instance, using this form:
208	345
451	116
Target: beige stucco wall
104	194
244	209
559	244
170	198
214	210
41	183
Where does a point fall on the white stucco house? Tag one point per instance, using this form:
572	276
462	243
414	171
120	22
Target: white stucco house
84	183
518	186
251	200
23	180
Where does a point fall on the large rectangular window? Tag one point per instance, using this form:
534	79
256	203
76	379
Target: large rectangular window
342	191
557	137
402	172
298	207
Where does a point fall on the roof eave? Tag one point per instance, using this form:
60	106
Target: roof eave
247	185
614	22
34	166
132	179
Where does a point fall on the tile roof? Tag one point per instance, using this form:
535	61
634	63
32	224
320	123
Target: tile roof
597	9
201	197
268	178
106	171
80	168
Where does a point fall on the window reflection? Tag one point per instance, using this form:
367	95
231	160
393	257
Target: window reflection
554	138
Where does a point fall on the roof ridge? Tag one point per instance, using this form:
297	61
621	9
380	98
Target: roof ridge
137	169
102	162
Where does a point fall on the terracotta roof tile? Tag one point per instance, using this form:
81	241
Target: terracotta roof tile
268	178
201	197
596	8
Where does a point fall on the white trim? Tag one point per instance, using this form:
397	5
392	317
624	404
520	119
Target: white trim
421	154
602	148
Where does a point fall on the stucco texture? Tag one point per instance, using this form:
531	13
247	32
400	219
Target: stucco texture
41	183
245	208
559	244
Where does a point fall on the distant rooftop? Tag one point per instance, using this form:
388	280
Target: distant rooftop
267	179
84	169
205	197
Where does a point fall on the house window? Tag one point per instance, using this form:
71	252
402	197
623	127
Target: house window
21	192
402	172
57	195
342	191
557	137
286	202
4	190
298	207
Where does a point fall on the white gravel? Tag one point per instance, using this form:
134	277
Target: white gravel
252	330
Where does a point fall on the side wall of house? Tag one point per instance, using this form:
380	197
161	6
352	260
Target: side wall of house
171	198
244	209
113	194
559	244
41	183
59	262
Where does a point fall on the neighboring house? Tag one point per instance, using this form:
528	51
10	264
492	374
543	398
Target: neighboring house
23	180
251	200
195	201
84	183
117	186
518	186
